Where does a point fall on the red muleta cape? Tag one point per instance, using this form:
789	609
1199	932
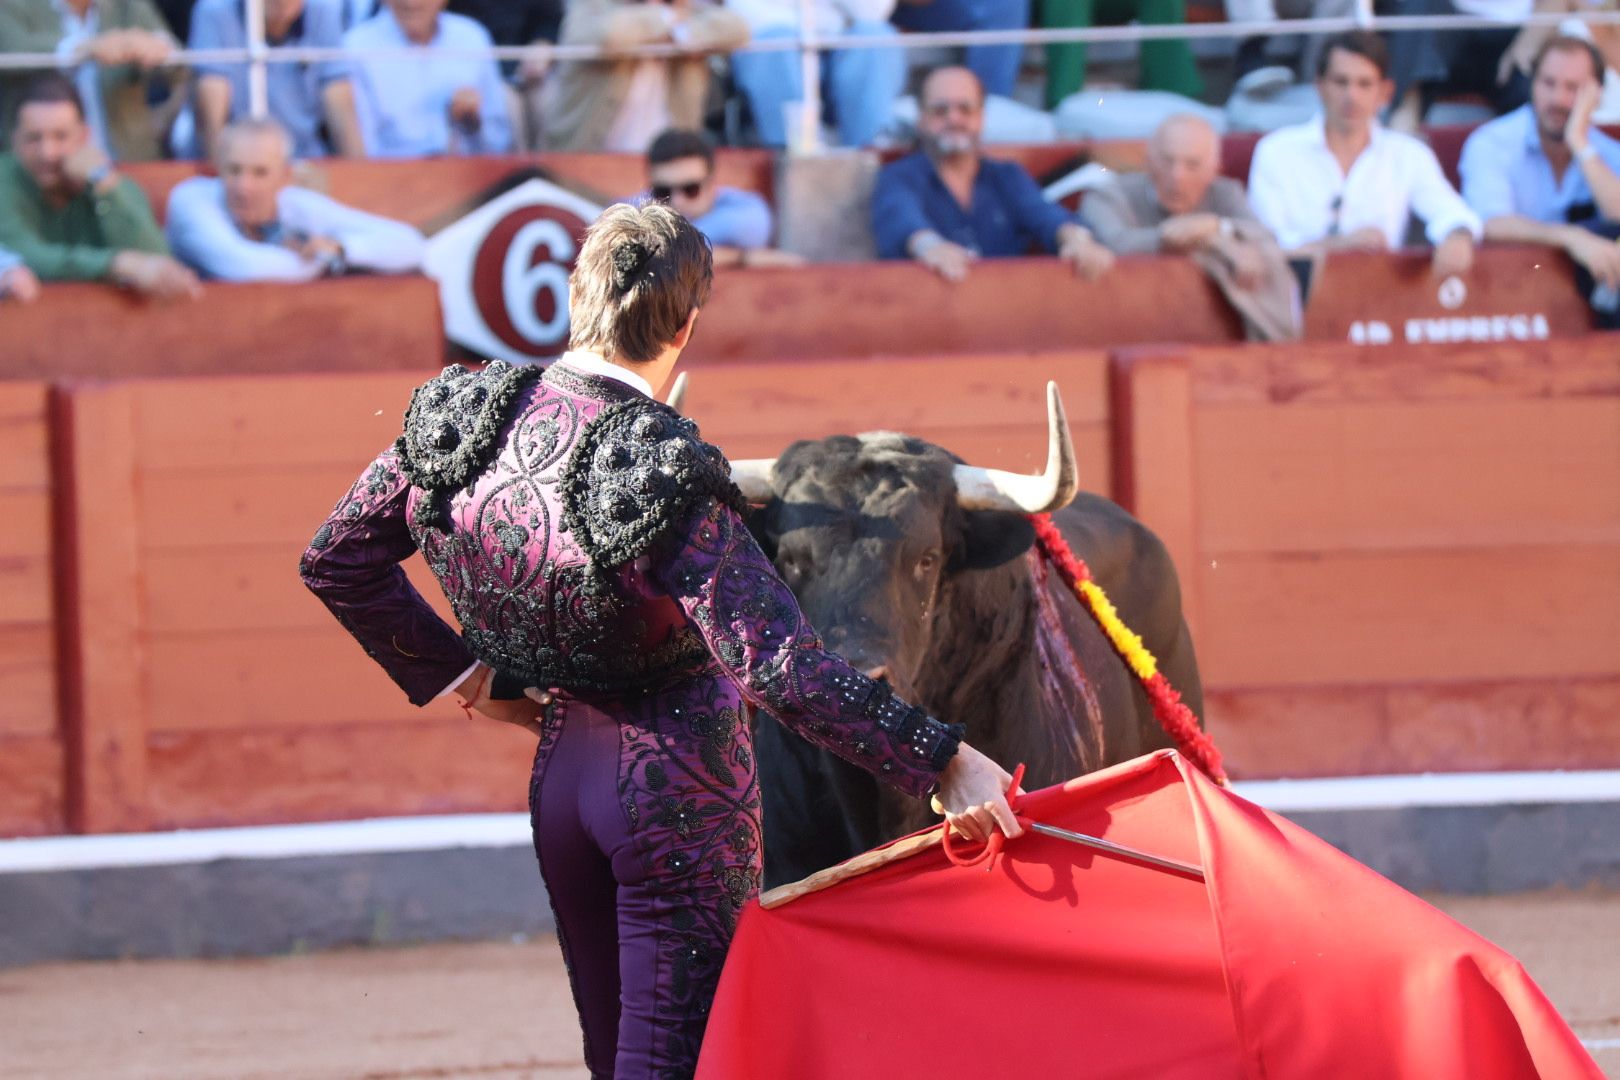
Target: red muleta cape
1291	960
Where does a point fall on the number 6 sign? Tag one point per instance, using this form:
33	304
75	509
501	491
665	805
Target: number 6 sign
503	271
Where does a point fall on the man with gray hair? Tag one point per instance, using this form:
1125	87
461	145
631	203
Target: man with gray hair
252	224
1179	206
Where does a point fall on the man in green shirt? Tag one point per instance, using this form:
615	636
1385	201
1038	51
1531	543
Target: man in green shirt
67	213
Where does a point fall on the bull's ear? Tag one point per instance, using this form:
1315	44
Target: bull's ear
991	538
762	523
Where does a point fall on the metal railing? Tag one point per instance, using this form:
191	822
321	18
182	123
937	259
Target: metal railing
259	54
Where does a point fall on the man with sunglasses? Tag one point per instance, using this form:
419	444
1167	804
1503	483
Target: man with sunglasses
680	173
947	205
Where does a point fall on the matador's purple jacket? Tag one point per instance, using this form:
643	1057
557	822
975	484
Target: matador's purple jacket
590	543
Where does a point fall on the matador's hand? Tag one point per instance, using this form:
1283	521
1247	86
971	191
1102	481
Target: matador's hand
474	691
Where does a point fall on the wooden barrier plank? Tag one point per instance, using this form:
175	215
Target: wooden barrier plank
104	716
898	308
247	588
1407	475
1447	727
362	323
26	518
273	679
185	509
1310	618
28	680
1512	292
25	590
1153	473
24	440
895	393
1334	374
250	422
202	779
31	786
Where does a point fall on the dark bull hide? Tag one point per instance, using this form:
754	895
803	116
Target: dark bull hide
959	612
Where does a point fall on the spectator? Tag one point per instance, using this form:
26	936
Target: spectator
303	96
17	282
115	49
1536	171
251	224
1429	63
623	104
860	84
1343	182
946	206
66	211
996	66
1181	207
680	168
517	23
1166	64
440	99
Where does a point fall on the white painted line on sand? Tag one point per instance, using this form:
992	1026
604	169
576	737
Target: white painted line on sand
403	834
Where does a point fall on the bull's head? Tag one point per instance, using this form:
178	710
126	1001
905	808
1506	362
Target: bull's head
884	539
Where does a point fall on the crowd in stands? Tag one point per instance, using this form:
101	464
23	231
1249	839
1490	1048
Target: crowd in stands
414	79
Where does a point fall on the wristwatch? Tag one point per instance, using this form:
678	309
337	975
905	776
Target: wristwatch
1586	153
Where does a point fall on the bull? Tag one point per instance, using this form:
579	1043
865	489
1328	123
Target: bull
922	570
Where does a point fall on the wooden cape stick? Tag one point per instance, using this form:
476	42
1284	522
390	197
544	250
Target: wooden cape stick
864	863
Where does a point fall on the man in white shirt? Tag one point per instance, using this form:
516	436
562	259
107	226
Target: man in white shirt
1343	182
443	98
252	224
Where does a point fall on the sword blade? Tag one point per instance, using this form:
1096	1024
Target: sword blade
1112	848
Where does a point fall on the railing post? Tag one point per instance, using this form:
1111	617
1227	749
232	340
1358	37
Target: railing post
808	139
258	80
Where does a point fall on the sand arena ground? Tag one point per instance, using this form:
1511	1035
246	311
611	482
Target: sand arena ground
502	1010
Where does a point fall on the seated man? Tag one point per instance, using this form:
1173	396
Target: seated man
1535	172
116	53
302	96
945	205
445	99
67	212
680	171
1343	182
252	224
1180	206
860	84
622	104
17	282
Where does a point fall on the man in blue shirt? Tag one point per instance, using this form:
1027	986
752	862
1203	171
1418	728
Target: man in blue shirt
946	205
680	172
302	95
444	97
1535	174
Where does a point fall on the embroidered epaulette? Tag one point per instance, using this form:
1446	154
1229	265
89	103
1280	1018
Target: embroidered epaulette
638	470
453	424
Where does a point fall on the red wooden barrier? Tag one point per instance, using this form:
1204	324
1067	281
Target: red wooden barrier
31	777
346	324
1396	560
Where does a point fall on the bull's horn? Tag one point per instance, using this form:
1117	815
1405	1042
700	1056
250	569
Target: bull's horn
677	393
993	489
753	478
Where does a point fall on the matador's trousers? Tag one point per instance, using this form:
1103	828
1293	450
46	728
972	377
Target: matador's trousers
646	822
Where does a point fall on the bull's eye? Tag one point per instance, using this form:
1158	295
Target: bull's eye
928	563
